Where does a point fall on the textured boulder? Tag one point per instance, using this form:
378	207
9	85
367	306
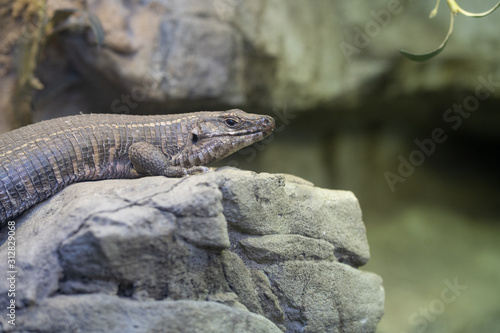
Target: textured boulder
225	251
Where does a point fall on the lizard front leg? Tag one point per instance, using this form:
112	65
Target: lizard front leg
149	160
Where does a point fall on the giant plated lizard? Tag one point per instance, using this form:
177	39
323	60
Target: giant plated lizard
37	161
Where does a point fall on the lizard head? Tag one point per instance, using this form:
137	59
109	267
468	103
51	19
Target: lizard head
220	134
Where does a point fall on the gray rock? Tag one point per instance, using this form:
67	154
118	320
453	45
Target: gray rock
104	313
240	281
327	296
228	249
268	299
272	248
276	206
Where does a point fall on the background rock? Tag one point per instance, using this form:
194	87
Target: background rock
186	55
161	245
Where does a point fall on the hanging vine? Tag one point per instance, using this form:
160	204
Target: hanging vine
454	10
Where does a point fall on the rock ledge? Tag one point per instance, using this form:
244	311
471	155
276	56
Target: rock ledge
225	251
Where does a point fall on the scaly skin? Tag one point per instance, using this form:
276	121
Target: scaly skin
38	160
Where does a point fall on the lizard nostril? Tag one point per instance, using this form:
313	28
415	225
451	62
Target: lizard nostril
268	122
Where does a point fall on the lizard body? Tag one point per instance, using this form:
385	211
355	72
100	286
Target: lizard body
39	160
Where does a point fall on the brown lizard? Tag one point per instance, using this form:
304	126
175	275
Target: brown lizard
38	160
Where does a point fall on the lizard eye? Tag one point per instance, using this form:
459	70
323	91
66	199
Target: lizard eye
231	122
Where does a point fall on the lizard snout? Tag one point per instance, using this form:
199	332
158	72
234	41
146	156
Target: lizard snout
268	124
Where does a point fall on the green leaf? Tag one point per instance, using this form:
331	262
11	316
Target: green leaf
483	14
427	56
435	10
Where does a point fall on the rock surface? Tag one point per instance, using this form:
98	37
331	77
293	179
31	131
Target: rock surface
225	251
